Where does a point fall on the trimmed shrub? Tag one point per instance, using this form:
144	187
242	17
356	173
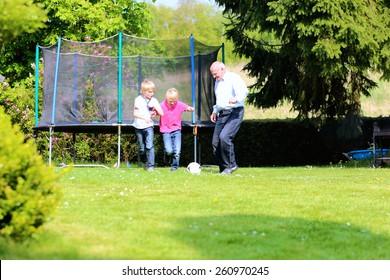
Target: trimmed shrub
18	103
28	193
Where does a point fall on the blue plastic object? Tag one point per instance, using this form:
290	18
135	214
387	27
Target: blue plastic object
367	154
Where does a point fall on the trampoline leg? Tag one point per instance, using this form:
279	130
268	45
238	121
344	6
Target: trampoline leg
50	143
74	148
199	152
195	133
35	135
119	147
195	150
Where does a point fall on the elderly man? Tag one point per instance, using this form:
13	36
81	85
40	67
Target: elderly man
228	113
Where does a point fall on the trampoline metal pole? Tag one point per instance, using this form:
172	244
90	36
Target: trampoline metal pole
119	97
196	142
53	112
120	78
36	82
54	98
192	49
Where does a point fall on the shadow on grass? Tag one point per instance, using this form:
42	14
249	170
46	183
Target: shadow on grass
249	237
225	237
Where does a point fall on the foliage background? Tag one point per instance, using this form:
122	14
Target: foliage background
92	20
315	54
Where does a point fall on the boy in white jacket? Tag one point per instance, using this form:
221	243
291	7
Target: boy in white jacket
145	108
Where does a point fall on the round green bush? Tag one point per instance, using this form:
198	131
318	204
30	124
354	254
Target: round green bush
28	190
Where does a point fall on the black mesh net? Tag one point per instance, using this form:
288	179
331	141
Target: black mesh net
82	80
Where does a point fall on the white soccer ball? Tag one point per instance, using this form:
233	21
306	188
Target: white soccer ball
194	168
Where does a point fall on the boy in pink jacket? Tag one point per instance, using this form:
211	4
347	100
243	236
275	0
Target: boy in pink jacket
170	125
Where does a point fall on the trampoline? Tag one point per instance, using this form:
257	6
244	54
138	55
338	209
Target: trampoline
90	87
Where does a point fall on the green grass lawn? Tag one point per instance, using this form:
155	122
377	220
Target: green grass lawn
300	213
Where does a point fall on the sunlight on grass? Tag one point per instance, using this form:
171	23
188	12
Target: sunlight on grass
377	105
256	213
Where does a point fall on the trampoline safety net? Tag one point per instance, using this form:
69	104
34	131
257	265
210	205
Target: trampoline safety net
89	83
